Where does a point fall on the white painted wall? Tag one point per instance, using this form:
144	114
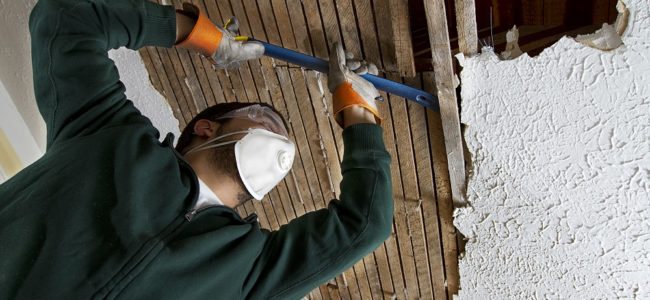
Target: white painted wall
16	63
16	77
559	192
17	131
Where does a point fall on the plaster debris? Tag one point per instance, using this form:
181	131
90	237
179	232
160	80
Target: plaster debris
512	44
608	37
559	189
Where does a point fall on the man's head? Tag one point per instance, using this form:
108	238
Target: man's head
227	122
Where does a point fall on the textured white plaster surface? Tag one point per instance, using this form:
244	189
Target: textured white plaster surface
16	74
559	190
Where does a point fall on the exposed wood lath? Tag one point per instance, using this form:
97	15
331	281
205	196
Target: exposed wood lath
419	259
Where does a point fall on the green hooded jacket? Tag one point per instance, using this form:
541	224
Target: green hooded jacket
103	213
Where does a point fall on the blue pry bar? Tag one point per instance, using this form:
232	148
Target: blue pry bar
309	62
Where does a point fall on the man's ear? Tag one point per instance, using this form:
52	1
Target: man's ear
205	128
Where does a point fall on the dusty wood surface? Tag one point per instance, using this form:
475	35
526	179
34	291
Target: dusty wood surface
444	78
466	25
419	259
399	11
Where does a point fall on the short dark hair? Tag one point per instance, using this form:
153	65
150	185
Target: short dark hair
212	113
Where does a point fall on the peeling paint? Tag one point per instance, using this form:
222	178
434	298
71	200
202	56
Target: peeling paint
559	189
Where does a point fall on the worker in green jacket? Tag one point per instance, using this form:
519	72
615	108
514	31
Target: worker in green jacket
110	211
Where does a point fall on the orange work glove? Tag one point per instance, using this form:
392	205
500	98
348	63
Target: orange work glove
348	87
216	43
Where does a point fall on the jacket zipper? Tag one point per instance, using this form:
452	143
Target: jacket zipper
192	213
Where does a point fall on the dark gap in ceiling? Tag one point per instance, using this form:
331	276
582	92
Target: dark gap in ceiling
541	23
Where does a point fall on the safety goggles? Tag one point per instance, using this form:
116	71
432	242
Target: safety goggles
259	114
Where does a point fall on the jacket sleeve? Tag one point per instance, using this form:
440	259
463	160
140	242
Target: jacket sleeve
77	86
319	245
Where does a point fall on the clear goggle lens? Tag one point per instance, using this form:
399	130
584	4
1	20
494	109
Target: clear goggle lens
261	115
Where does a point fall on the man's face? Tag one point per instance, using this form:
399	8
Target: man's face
223	158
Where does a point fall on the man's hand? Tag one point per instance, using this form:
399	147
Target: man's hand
214	42
353	96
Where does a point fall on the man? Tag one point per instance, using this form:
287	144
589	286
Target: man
110	212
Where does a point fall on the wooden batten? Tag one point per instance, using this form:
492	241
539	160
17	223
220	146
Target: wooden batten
444	79
399	11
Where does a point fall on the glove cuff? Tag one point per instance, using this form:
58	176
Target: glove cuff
205	37
344	97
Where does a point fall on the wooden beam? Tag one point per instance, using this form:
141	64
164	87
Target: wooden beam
444	78
466	24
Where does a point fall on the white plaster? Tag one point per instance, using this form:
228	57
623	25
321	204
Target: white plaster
16	74
140	90
559	190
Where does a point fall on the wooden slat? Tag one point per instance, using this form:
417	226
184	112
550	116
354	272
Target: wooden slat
414	198
444	193
466	25
444	82
348	27
404	188
428	207
444	78
368	35
385	34
183	79
402	37
330	21
439	209
192	82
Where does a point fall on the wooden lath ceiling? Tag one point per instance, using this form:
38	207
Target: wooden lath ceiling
420	259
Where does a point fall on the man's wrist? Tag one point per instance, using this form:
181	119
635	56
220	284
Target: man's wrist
184	25
357	115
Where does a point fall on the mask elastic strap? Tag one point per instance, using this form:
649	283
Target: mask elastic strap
207	145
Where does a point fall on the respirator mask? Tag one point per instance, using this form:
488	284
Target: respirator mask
264	157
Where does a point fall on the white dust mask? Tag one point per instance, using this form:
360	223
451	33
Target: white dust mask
263	158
